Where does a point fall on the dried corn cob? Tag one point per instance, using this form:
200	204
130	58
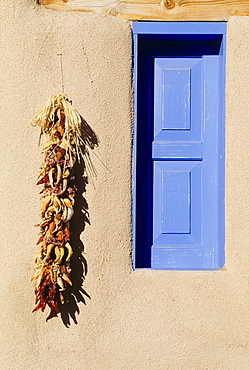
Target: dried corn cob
69	139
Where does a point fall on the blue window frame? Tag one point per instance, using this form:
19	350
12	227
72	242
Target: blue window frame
179	145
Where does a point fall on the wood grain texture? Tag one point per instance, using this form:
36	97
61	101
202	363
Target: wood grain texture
174	10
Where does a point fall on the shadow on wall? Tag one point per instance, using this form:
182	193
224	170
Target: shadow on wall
75	294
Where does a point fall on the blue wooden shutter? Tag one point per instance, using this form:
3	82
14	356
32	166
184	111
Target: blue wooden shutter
186	155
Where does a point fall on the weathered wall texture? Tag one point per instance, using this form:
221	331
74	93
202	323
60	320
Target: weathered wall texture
137	320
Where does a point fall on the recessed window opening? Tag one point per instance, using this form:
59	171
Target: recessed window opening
178	167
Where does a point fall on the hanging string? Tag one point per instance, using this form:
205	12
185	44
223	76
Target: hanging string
62	75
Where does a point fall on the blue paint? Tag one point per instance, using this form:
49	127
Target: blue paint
178	162
173	90
176	209
172	200
183	109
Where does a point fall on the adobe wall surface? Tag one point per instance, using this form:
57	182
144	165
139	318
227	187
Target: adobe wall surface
135	319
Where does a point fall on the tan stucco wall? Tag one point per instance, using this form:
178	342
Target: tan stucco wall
139	320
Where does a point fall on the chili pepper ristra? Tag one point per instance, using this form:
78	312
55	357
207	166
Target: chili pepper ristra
67	143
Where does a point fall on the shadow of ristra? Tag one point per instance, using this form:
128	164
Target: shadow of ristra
75	294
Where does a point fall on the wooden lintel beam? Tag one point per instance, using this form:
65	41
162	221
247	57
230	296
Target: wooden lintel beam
168	10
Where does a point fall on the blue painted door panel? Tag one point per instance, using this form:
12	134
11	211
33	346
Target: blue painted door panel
177	108
186	158
177	99
177	203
